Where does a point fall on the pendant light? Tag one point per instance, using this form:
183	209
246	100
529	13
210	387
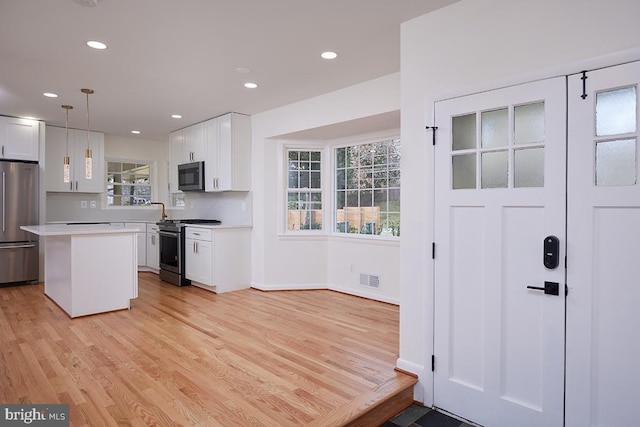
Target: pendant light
88	155
66	173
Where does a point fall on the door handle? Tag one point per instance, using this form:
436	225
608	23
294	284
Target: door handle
550	288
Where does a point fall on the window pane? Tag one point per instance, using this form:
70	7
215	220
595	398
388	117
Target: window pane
616	111
340	157
495	169
340	179
352	178
464	132
616	162
495	128
315	179
304	179
464	171
293	179
529	167
529	123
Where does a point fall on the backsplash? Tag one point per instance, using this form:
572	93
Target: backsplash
232	208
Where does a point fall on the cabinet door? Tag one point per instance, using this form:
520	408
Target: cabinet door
194	143
176	141
19	138
56	149
198	261
212	166
97	182
153	254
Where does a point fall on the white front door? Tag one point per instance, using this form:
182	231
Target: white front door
603	275
500	195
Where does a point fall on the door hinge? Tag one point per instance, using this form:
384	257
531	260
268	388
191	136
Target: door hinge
433	128
584	84
566	290
433	363
433	250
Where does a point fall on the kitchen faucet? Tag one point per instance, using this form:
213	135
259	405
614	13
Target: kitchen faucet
164	215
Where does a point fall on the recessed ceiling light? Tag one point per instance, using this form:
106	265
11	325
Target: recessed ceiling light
135	132
96	45
243	70
176	116
250	85
50	95
329	55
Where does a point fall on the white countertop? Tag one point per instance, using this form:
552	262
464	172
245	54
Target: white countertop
70	230
218	226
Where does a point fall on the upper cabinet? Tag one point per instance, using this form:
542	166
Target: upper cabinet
223	143
228	162
194	144
19	138
55	151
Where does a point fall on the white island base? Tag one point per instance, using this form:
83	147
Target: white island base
89	269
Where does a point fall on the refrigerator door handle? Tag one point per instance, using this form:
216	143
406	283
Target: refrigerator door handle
18	246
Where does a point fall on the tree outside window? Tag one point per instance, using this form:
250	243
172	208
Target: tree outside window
367	194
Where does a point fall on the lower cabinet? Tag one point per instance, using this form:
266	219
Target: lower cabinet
153	248
142	241
218	259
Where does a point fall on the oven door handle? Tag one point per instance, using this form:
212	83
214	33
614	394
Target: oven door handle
168	233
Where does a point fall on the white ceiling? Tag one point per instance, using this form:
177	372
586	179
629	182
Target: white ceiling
181	56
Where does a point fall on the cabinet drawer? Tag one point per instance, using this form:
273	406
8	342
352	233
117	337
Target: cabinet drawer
152	228
198	233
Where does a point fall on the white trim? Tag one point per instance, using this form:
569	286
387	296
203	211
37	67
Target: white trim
289	287
564	70
364	294
418	389
335	288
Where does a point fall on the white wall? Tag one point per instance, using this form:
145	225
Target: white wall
478	45
284	262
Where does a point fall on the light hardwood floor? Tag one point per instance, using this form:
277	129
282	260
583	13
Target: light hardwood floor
185	356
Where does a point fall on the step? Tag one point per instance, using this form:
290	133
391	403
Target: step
375	407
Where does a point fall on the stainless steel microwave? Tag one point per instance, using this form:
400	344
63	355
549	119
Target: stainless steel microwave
191	176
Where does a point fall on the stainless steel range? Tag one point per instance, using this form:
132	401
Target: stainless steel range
172	255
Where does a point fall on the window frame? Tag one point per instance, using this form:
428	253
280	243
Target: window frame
283	203
350	142
153	183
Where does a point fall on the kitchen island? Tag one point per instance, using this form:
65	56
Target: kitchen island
89	269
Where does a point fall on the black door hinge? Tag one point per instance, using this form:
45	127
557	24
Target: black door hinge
433	250
584	84
566	290
433	128
433	363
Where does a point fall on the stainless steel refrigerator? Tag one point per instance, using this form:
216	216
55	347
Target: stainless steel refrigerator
18	206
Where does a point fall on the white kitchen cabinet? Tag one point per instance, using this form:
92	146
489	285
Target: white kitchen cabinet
19	138
218	259
194	144
198	265
153	248
56	147
141	237
228	161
